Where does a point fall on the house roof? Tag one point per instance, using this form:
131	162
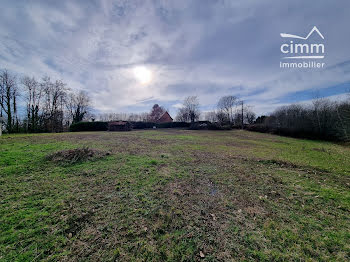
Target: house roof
166	114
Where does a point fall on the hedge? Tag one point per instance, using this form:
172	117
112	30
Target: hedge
173	125
103	126
297	133
206	125
89	126
144	125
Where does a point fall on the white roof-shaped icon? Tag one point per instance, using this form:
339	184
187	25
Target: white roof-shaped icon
314	29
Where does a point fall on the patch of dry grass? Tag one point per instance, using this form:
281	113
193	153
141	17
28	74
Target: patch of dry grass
76	155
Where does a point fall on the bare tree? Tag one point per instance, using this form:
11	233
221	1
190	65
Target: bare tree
227	105
8	98
156	112
343	116
133	117
211	116
54	94
182	115
33	97
144	117
222	117
190	110
322	112
237	118
324	119
114	117
249	115
78	106
191	104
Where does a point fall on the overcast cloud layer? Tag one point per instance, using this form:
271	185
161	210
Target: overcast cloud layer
203	48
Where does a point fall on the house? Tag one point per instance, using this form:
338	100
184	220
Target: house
165	118
119	126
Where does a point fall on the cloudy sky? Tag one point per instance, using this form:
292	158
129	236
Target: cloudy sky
203	48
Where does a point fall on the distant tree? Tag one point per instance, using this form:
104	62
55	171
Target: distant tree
260	120
156	112
120	116
343	125
190	110
144	117
8	99
227	105
222	117
249	116
33	98
237	118
322	114
182	115
192	107
211	116
133	117
323	119
54	99
78	106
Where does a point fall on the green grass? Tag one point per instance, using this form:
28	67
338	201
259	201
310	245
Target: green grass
167	195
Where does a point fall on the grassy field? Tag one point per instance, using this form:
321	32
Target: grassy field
174	195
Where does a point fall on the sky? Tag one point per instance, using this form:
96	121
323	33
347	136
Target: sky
204	48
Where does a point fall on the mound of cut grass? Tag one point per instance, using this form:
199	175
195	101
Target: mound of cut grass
76	155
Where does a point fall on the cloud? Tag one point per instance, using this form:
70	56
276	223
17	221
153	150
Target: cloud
177	105
203	48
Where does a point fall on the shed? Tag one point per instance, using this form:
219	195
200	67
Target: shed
119	126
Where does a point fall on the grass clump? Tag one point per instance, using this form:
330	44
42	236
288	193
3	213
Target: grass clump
76	155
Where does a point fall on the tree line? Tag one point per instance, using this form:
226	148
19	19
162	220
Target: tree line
323	119
232	111
50	106
229	111
156	112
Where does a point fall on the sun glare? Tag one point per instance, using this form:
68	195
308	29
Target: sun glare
142	74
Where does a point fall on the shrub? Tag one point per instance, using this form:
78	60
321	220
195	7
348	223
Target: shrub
259	128
206	125
218	126
200	125
89	126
